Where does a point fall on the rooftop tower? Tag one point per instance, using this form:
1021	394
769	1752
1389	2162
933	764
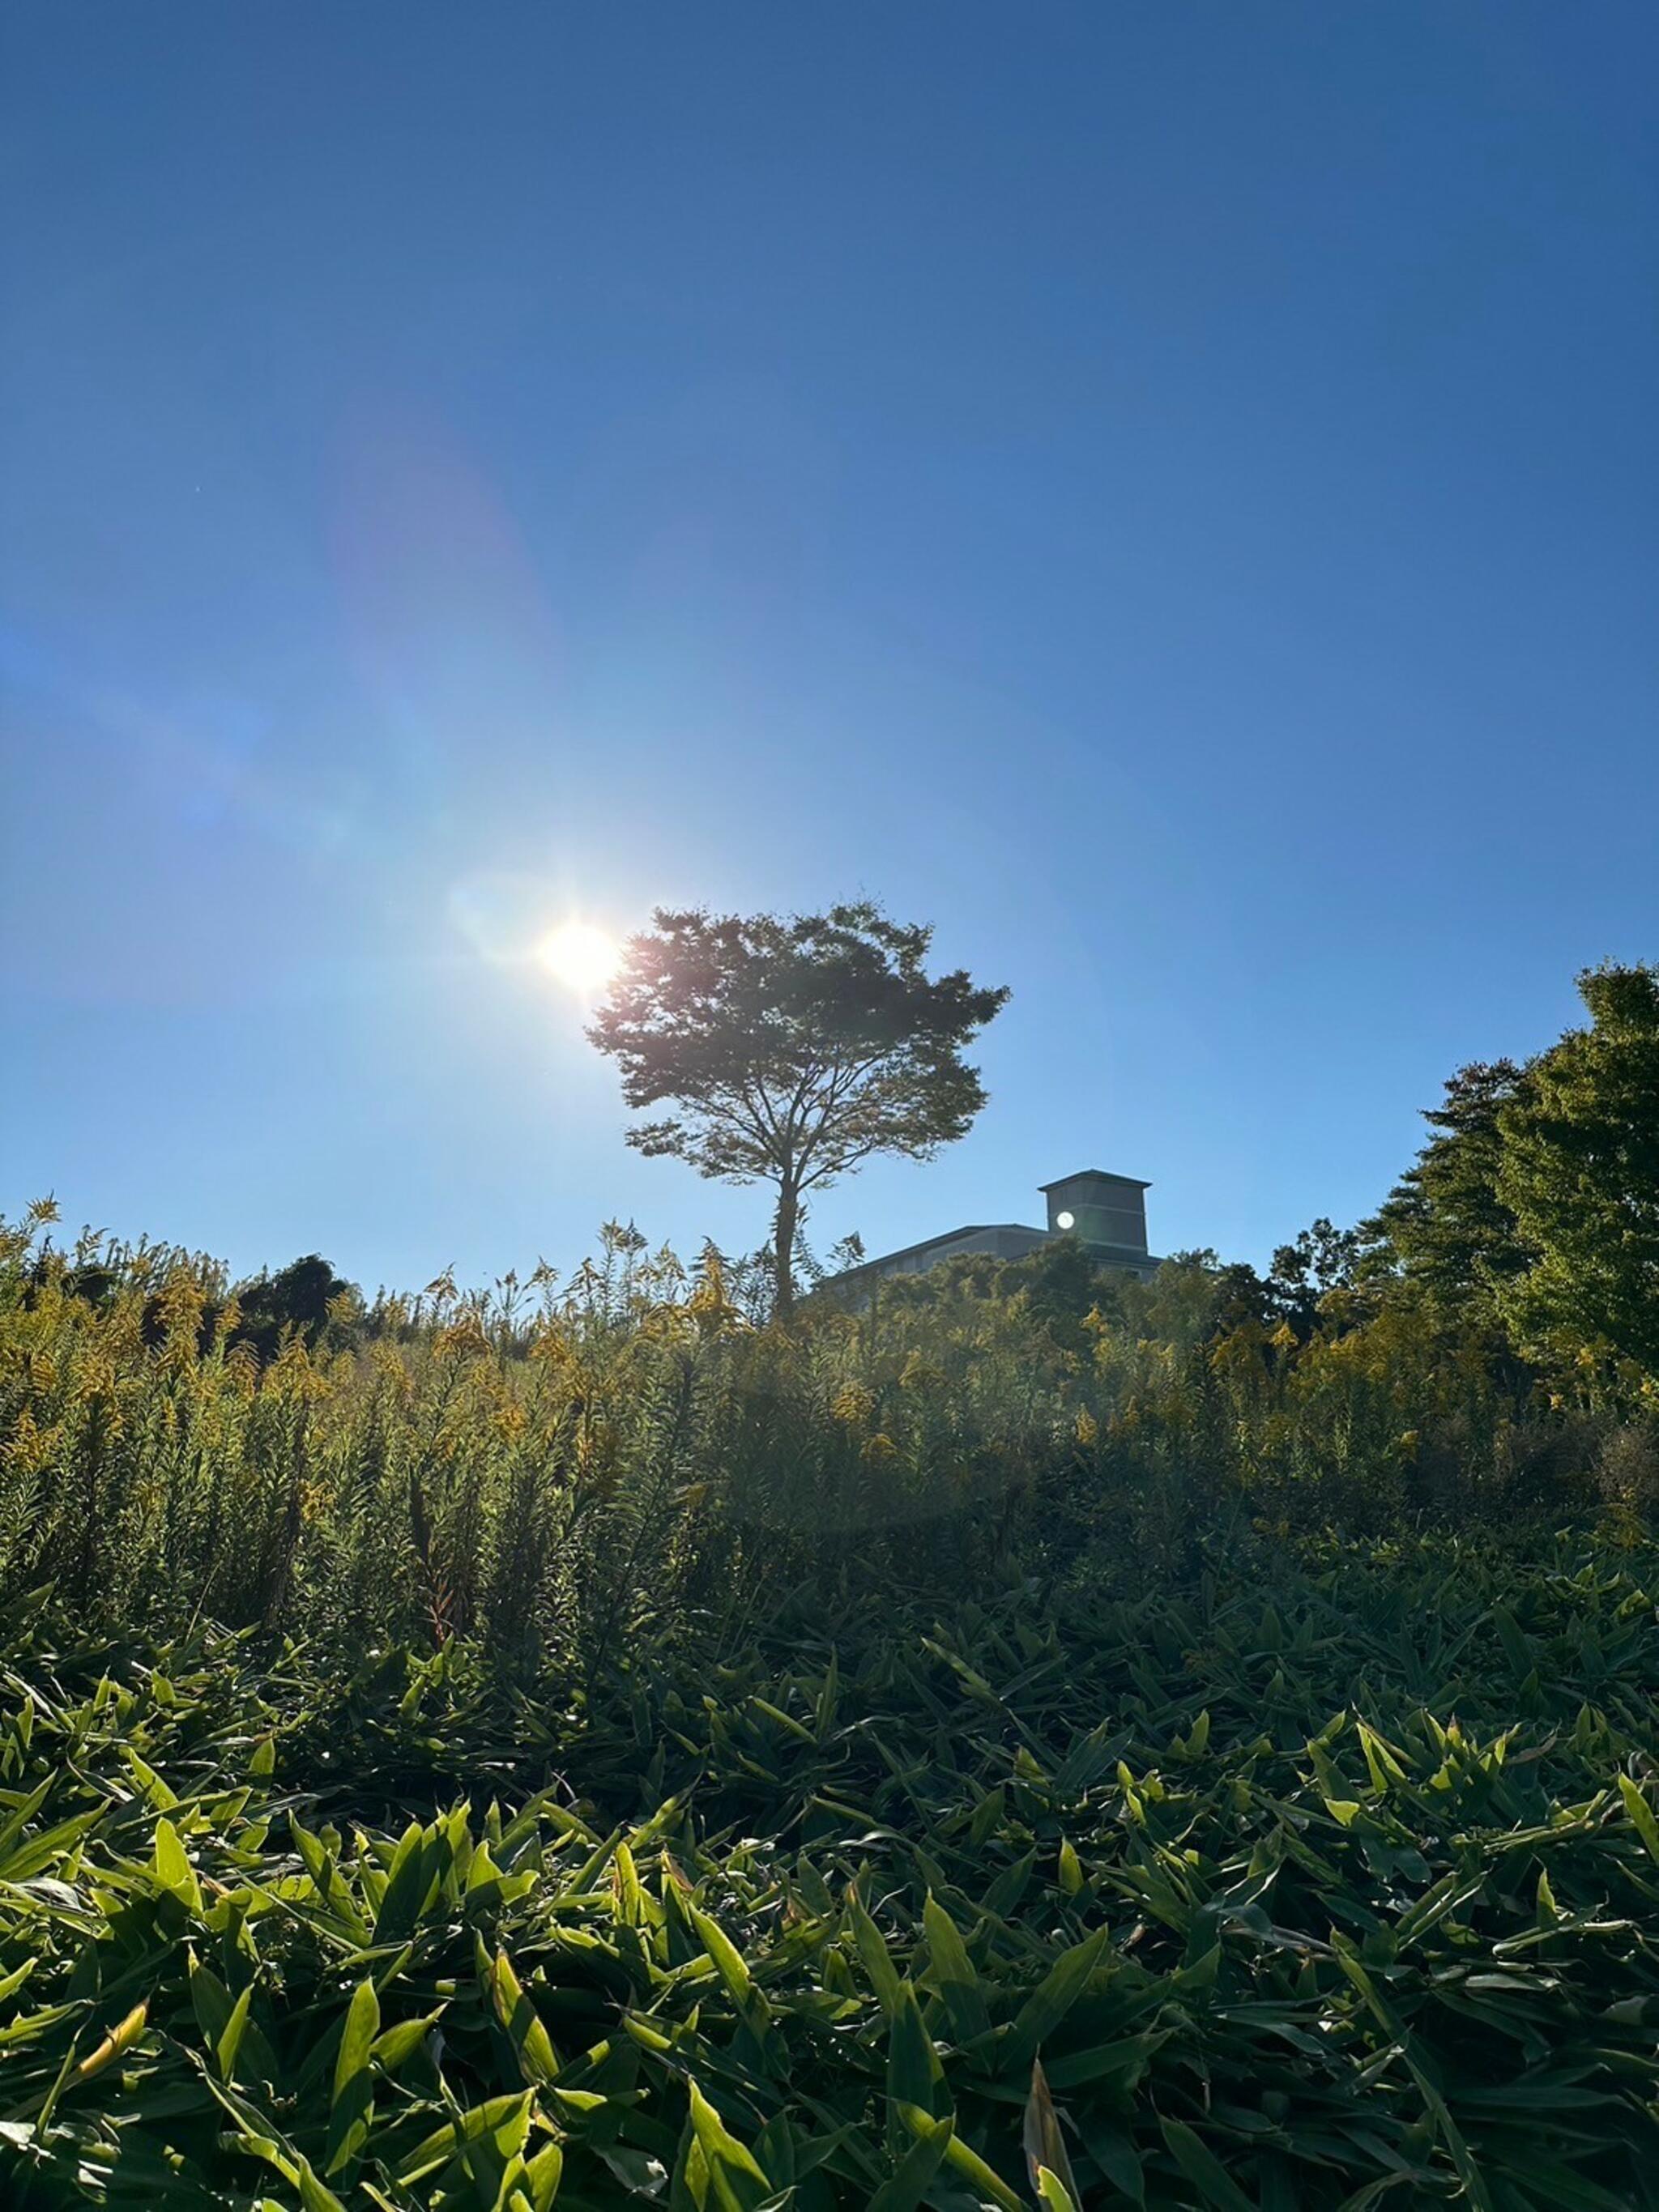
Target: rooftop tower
1108	1212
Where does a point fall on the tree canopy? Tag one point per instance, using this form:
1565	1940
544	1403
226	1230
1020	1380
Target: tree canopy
1445	1223
297	1298
793	1047
1533	1211
1579	1172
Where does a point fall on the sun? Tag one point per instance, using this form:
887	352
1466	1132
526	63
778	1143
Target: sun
582	957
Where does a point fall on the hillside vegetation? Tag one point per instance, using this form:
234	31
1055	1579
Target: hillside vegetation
1036	1739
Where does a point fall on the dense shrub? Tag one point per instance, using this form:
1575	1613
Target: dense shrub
550	1470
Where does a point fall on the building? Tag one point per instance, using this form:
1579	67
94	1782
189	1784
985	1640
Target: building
1106	1213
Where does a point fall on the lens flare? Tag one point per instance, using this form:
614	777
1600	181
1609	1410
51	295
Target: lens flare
580	955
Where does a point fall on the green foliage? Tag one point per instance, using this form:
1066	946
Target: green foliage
548	1472
303	1299
1532	1215
1326	1877
1580	1171
1446	1222
1039	1738
793	1047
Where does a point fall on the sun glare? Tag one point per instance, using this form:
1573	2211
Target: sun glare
580	956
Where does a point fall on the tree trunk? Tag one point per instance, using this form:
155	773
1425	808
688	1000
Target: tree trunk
784	1226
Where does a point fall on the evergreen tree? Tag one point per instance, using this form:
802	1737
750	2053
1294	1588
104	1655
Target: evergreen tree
1578	1176
1446	1227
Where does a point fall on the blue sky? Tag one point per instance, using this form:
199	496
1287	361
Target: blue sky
1169	495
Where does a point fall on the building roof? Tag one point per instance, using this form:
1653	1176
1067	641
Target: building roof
1110	1255
1101	1175
945	1237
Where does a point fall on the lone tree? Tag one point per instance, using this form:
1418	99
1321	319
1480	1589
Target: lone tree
792	1047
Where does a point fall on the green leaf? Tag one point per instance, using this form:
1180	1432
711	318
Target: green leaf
504	2121
544	2172
173	1869
532	2045
1203	2168
155	1791
315	2195
914	2075
257	2136
1055	1995
1516	1650
1475	2187
13	1827
728	1961
1071	1869
1641	1814
10	1983
984	2179
395	2045
228	2043
362	2024
905	2190
951	1974
408	1879
211	2001
1044	2143
878	1961
353	2107
738	2182
224	2022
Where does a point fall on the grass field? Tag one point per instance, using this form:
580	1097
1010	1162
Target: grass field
1326	1880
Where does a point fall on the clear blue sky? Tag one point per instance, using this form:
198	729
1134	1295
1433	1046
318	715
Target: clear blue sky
1168	493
